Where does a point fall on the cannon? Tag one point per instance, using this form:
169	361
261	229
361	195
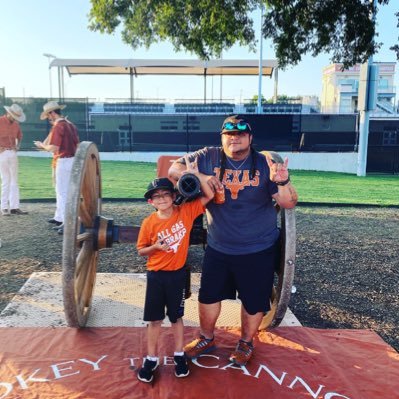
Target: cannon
86	231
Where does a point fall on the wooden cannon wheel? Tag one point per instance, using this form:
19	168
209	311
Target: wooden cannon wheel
79	258
285	270
284	273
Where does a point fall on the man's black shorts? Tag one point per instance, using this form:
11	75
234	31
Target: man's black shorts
165	290
250	275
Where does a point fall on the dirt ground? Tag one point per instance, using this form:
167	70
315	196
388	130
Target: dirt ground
347	268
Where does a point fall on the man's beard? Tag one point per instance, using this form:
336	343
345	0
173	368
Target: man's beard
243	151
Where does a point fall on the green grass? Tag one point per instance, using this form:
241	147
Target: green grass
35	178
119	179
343	188
130	179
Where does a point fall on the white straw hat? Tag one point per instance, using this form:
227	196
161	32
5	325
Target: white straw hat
48	107
16	112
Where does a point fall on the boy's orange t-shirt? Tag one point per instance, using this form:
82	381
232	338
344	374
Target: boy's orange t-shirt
175	231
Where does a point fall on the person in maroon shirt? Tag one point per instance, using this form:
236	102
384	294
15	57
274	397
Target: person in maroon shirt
10	141
62	142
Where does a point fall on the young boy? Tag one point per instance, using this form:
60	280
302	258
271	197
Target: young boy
164	239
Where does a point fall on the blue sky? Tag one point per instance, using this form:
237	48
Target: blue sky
31	28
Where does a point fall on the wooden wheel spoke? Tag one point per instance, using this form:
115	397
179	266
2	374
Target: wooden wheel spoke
94	185
85	214
90	188
83	259
87	235
87	289
84	275
79	284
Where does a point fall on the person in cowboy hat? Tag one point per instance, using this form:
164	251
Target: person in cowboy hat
62	142
10	141
242	233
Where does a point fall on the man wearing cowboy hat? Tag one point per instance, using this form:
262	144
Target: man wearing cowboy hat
62	141
10	140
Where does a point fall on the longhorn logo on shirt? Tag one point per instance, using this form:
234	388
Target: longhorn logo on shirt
173	236
237	180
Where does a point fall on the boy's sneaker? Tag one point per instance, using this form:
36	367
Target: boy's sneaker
242	353
146	373
181	368
199	347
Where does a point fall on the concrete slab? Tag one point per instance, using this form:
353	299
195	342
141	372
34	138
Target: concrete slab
118	301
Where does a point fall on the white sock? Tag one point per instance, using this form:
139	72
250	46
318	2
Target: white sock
178	354
153	358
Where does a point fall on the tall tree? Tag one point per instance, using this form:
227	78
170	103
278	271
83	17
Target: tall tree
342	28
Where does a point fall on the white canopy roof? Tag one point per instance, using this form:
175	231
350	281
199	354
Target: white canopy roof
164	67
136	67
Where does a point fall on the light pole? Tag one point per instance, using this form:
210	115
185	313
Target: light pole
367	94
49	57
259	107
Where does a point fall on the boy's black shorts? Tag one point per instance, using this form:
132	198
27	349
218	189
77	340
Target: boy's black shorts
165	289
250	275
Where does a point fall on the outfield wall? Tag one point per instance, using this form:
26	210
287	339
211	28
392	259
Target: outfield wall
343	162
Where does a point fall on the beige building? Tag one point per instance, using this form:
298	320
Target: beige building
340	88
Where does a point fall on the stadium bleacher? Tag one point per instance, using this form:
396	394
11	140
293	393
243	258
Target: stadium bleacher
223	108
127	108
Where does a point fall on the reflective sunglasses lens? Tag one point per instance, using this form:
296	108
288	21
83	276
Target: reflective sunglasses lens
229	126
242	126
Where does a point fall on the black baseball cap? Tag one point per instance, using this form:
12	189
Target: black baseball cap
162	183
235	124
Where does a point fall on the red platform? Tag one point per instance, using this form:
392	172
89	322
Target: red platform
289	363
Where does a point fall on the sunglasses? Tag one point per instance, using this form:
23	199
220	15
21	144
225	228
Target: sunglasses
241	126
